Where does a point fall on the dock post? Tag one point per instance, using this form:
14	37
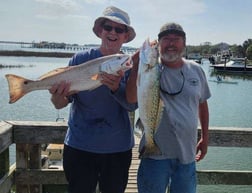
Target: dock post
28	156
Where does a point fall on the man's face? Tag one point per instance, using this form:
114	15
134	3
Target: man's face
113	35
171	47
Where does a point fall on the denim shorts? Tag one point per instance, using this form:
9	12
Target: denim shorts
155	176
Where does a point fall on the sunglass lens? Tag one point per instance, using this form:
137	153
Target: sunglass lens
107	28
110	28
119	30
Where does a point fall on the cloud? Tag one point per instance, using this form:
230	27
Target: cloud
170	9
55	9
96	1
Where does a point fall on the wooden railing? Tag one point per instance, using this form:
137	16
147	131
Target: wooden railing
27	176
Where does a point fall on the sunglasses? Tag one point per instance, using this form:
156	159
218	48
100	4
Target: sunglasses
118	30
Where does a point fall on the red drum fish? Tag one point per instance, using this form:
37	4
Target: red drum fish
81	77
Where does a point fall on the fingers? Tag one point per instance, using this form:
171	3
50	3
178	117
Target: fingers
112	81
120	73
201	153
154	42
60	89
199	156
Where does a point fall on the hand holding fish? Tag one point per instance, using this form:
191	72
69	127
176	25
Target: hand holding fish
59	94
61	89
112	81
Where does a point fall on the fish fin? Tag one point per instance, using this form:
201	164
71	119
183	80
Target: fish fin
139	128
95	77
17	87
54	72
139	124
149	150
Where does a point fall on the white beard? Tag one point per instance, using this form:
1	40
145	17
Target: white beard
171	57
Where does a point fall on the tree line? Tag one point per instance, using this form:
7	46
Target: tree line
241	51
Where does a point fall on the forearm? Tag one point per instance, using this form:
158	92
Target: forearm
204	120
131	86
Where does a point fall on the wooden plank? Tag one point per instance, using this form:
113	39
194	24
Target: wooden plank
4	162
5	135
230	137
227	177
54	132
7	181
22	164
35	163
132	180
38	132
40	176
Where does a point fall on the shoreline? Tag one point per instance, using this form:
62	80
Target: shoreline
37	54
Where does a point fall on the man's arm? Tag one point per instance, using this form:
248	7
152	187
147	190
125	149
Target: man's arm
131	86
204	122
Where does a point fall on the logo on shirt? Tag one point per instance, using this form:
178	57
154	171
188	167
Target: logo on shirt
193	82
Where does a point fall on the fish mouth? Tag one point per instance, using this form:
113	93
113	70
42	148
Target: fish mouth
127	63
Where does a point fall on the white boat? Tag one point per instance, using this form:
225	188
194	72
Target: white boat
234	65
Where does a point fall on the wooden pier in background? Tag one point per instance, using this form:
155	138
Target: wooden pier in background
28	176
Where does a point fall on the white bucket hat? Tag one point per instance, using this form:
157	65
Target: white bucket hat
116	15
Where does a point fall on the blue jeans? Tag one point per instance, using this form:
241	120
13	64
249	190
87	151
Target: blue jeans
154	176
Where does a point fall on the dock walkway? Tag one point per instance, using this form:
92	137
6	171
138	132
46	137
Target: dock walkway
132	182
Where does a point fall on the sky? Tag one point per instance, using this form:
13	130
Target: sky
71	21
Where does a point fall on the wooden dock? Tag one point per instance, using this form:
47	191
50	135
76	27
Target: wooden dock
28	176
132	182
56	149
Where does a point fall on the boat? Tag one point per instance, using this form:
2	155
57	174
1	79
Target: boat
219	79
224	81
221	57
196	57
235	65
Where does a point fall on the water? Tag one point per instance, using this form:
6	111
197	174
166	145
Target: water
229	106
